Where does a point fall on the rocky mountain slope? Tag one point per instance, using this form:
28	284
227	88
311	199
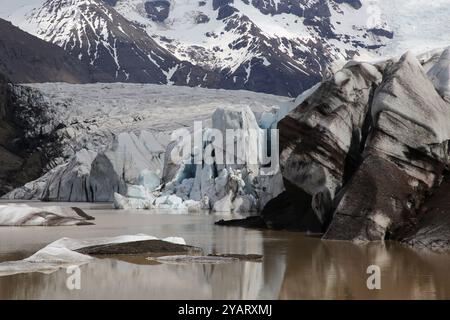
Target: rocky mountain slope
275	46
280	47
26	58
27	139
115	49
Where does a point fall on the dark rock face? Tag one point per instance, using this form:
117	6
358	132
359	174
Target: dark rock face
112	3
25	58
28	137
363	154
225	11
354	3
201	18
221	3
382	33
283	6
157	10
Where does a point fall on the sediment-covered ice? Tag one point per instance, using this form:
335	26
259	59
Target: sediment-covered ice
61	254
24	215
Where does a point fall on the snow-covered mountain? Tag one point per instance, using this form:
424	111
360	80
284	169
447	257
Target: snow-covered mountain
264	46
96	34
274	46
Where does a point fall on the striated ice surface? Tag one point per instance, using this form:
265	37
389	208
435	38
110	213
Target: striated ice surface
24	215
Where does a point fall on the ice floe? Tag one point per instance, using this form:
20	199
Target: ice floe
25	215
61	254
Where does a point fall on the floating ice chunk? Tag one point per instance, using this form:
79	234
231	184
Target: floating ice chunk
57	255
121	202
139	192
61	254
24	215
75	244
169	202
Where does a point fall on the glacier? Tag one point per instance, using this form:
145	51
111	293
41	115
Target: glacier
115	141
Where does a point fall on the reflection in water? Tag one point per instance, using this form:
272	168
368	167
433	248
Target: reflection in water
108	278
294	266
337	270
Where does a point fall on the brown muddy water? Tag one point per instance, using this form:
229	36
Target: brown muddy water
294	267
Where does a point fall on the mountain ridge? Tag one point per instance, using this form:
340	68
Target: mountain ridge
282	47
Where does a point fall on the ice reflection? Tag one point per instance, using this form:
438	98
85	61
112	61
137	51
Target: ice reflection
337	270
107	278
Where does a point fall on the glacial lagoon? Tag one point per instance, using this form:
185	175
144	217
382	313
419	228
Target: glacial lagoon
295	266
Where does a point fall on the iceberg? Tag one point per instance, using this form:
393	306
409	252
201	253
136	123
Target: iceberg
63	253
25	215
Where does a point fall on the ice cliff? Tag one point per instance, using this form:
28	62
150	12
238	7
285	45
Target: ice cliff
364	157
240	186
112	144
